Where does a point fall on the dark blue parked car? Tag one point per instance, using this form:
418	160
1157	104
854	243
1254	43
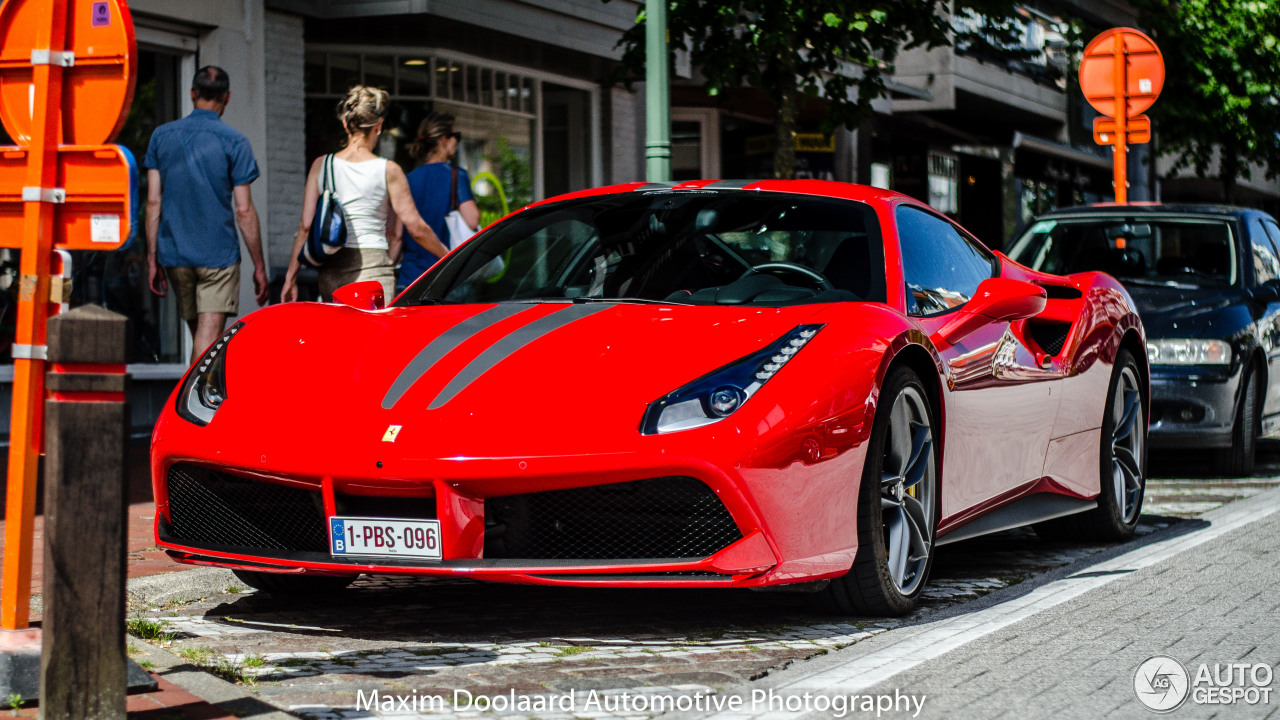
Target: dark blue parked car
1206	281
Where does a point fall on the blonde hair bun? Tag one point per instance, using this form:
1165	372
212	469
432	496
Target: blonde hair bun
363	108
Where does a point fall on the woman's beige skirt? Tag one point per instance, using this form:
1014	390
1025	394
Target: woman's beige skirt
350	265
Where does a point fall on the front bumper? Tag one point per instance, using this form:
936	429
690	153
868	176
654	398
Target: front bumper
681	525
1193	407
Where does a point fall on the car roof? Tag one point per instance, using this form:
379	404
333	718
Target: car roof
817	188
1150	208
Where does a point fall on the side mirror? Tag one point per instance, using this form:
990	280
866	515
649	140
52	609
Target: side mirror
996	300
366	295
1267	292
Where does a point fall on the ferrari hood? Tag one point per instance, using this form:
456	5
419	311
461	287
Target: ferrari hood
463	375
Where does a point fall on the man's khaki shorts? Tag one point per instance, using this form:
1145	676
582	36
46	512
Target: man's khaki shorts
205	290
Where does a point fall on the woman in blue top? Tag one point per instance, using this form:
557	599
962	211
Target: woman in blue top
430	184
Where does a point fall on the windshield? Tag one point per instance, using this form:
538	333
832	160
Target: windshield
1195	252
701	248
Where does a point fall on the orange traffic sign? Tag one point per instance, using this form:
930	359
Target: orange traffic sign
99	67
1137	130
1142	71
67	72
96	214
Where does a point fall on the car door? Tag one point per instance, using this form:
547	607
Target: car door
998	420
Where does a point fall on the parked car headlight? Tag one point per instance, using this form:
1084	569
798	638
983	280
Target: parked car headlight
719	394
205	388
1188	352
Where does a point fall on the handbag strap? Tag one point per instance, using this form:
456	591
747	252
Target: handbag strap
326	174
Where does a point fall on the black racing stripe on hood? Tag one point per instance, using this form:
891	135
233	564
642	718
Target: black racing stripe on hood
655	186
729	184
443	345
499	351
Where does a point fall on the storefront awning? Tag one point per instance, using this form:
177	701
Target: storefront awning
1058	150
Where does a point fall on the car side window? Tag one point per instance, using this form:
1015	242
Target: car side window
941	266
1266	265
1273	230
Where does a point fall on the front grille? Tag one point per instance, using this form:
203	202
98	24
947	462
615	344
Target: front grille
668	517
211	507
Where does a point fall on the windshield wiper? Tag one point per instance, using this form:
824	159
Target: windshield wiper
582	300
1147	282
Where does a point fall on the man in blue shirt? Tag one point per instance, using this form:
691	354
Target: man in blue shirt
196	166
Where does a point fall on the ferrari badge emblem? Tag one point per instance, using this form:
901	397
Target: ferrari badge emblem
391	433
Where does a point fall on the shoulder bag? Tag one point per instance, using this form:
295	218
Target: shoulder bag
328	232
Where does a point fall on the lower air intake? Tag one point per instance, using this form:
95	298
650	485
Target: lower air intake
210	507
668	517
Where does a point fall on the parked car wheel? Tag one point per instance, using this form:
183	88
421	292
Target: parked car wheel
294	585
1238	460
897	506
1122	467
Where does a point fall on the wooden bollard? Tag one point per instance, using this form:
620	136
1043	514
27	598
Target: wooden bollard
82	665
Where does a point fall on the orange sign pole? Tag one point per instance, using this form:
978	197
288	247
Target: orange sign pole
33	308
1121	75
1120	83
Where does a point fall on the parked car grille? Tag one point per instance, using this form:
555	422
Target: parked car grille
211	507
668	517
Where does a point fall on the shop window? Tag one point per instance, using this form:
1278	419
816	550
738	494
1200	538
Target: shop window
344	73
117	280
379	72
415	76
496	111
315	73
944	183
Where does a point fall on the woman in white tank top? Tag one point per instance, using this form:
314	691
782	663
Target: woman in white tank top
374	195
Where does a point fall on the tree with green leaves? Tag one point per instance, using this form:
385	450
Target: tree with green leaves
1221	97
839	51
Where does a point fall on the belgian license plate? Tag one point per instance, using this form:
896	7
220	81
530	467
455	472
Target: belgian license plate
391	537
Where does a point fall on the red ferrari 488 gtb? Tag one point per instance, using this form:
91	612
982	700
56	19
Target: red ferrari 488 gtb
711	384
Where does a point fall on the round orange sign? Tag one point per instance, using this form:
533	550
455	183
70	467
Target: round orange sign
1140	66
99	67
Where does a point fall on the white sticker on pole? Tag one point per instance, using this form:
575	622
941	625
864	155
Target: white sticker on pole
104	228
1144	85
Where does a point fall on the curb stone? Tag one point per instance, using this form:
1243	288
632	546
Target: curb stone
178	586
233	699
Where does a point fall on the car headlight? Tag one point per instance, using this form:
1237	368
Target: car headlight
206	386
719	394
1188	352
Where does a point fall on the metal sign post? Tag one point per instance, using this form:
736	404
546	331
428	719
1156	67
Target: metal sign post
1121	75
61	188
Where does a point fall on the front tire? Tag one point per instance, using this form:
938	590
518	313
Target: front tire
1122	464
291	585
1238	460
897	505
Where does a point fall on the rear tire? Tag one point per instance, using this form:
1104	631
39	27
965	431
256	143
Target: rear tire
1238	460
898	505
1122	466
291	585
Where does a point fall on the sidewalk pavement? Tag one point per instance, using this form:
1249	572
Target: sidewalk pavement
168	701
1201	593
144	558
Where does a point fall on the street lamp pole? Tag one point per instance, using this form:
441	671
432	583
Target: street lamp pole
657	147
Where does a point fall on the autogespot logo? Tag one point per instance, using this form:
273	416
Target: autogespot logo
1162	683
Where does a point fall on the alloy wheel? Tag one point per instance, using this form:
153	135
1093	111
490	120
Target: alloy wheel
908	494
1126	445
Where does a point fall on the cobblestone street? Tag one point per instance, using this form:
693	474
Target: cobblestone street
420	637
